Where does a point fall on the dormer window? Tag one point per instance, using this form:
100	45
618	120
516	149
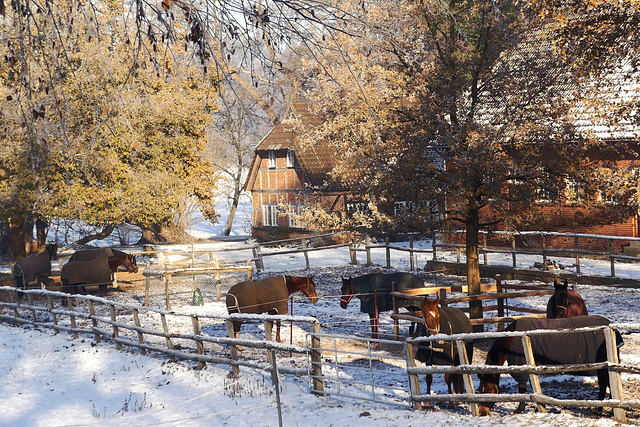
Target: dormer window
271	161
291	159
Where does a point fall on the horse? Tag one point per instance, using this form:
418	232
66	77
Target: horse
443	320
363	287
565	302
115	258
269	295
95	266
34	268
557	349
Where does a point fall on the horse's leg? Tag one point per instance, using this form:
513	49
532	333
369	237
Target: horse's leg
429	379
522	389
278	331
236	333
375	327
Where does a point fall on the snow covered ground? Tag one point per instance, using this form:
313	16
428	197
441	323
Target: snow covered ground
54	380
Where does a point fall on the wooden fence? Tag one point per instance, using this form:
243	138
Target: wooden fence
149	329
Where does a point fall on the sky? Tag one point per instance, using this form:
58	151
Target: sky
54	380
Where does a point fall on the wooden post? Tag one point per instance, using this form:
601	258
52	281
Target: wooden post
434	239
367	246
167	280
613	260
467	378
33	311
544	252
72	318
257	255
484	247
411	255
457	241
316	360
513	251
199	344
136	319
414	381
165	328
233	350
116	332
500	301
268	330
249	270
305	244
146	292
352	249
396	323
577	246
443	297
388	252
54	316
615	382
533	378
92	311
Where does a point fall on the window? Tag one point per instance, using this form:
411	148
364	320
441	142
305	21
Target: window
270	215
271	163
576	192
291	159
294	217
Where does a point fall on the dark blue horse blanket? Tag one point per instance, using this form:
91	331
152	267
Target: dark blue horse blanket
561	349
30	268
381	282
452	321
86	272
90	254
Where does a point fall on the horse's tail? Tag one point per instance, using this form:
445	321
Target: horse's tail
18	275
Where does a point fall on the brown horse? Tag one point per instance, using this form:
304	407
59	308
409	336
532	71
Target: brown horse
34	268
267	296
443	320
558	349
565	302
95	266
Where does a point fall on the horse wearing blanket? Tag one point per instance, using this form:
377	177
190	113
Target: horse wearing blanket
380	284
34	268
270	295
554	349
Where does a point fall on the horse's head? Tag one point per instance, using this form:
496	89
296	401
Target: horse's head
310	290
52	250
130	264
347	292
561	298
431	314
489	384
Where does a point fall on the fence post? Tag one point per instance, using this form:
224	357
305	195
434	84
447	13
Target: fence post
92	311
146	291
72	317
613	260
257	255
615	383
544	252
54	316
352	248
500	300
233	350
533	378
388	252
414	381
484	247
394	301
367	245
167	280
443	297
411	255
513	251
577	245
163	318
199	344
305	244
467	378
275	379
434	240
457	241
136	319
316	360
116	333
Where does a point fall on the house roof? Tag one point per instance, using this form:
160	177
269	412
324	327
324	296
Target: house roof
317	160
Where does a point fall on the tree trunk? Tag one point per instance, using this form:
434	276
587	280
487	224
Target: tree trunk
159	233
473	265
232	213
19	239
106	232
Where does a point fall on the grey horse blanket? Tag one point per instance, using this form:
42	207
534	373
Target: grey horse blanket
562	349
259	297
381	282
89	254
452	321
87	272
31	268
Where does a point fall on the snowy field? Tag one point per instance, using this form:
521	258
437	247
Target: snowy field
54	380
